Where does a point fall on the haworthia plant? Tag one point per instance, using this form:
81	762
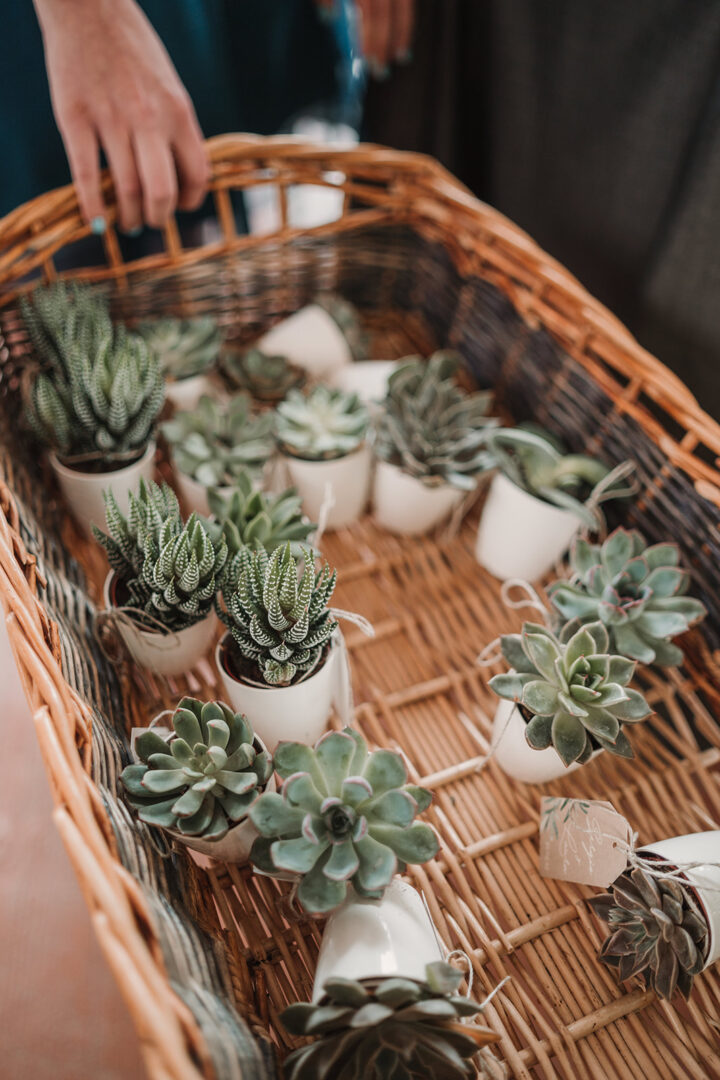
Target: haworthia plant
215	443
205	778
265	377
323	424
257	519
184	347
344	816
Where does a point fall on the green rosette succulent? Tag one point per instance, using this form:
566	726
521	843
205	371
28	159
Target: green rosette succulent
277	615
638	591
574	695
344	816
215	443
430	427
170	570
266	378
323	424
183	347
205	778
255	519
657	930
391	1027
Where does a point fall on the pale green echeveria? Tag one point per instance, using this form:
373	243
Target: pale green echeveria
184	347
266	377
638	591
215	443
345	816
325	423
576	694
205	778
256	519
391	1027
430	427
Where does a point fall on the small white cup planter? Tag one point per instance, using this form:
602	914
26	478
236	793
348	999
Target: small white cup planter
366	378
405	505
297	713
174	653
370	939
705	879
184	394
521	536
84	490
345	479
515	755
310	339
194	495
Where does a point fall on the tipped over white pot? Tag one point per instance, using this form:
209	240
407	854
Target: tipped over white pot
368	939
515	755
184	394
405	505
343	482
310	339
83	491
521	536
366	378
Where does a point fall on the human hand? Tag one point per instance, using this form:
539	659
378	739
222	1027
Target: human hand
386	28
113	86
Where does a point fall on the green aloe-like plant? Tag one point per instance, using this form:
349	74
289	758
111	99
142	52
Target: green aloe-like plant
278	615
391	1027
205	778
323	424
184	347
267	378
344	816
215	443
574	695
255	519
638	591
657	930
430	427
99	390
169	570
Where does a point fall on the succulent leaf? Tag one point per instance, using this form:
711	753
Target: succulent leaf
325	423
183	347
266	378
220	444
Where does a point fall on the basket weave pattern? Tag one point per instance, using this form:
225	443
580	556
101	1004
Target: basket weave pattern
208	959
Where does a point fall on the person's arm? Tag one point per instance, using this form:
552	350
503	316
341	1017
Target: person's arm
113	86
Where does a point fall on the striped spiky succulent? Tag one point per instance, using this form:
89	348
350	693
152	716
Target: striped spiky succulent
215	443
278	615
205	778
170	570
323	424
184	347
256	519
392	1027
657	930
266	378
46	311
430	427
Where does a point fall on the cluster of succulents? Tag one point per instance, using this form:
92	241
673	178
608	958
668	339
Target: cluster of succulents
638	592
573	694
430	427
657	930
183	347
170	570
256	519
99	389
345	815
277	613
205	778
391	1027
321	425
266	378
215	443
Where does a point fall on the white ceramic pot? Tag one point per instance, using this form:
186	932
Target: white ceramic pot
84	491
366	378
369	939
405	505
515	755
520	536
194	495
696	848
346	480
184	394
311	339
296	713
174	653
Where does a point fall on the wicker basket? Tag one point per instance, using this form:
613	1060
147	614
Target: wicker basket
206	960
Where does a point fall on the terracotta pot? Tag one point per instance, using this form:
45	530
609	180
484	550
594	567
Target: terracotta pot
84	490
515	755
346	478
310	339
405	505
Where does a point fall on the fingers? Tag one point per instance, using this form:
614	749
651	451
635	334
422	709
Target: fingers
191	161
121	159
82	149
156	170
402	28
376	24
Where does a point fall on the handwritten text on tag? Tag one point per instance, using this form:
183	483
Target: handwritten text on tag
582	840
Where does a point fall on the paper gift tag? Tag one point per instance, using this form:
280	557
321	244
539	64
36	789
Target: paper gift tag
342	689
582	840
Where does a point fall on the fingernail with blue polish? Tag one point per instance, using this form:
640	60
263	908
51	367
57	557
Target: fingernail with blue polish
97	225
134	231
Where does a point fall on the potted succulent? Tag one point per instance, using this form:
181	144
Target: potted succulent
538	500
638	591
94	401
214	444
385	1004
430	445
563	701
344	817
266	378
201	782
277	660
319	338
664	919
163	580
187	350
255	519
323	442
